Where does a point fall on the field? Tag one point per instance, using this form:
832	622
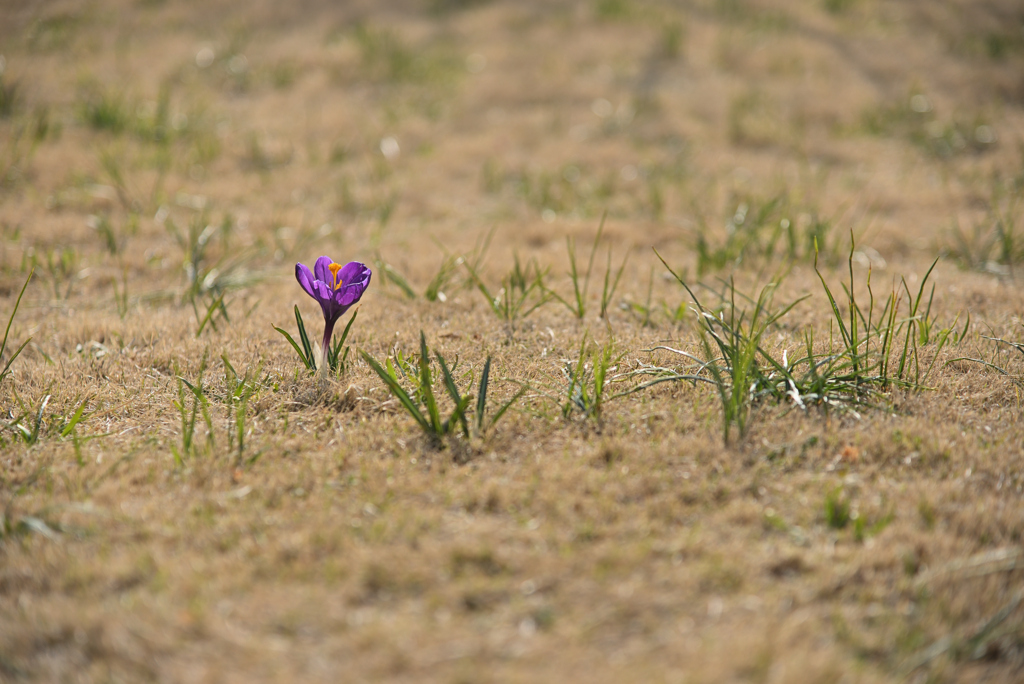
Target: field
722	309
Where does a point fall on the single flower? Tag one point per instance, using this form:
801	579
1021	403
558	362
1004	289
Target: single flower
336	288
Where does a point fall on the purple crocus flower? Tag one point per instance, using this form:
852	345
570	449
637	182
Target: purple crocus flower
336	288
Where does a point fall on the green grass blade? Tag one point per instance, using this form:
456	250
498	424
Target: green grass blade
576	392
75	419
231	369
495	307
449	381
570	246
481	396
335	350
198	392
39	419
307	348
458	416
208	318
979	361
391	370
344	333
607	294
427	387
295	346
7	366
396	389
7	331
398	279
560	299
453	392
506	406
836	314
17	303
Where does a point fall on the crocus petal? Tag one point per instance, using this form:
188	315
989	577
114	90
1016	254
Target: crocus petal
305	278
324	293
322	270
349	295
352	272
355	279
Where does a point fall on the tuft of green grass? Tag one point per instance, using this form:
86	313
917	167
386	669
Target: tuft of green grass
588	380
214	308
422	403
876	351
435	290
12	526
731	339
443	278
522	292
738	342
996	244
872	362
561	191
862	528
672	40
578	304
914	119
29	434
238	392
763	231
70	429
389	275
155	123
425	409
209	278
385	57
101	224
61	267
200	407
837	509
121	295
104	110
193	402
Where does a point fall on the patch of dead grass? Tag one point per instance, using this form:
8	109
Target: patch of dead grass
635	547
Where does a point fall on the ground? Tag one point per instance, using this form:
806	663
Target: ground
183	500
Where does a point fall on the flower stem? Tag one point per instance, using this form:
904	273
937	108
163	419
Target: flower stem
326	348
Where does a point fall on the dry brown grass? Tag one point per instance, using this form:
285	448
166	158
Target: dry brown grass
341	545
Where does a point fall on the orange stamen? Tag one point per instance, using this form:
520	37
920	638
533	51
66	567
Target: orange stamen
334	271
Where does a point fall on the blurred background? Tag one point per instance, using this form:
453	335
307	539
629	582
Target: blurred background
400	126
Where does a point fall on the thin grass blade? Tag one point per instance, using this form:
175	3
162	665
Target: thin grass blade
400	393
453	392
427	386
307	348
75	419
295	346
481	396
